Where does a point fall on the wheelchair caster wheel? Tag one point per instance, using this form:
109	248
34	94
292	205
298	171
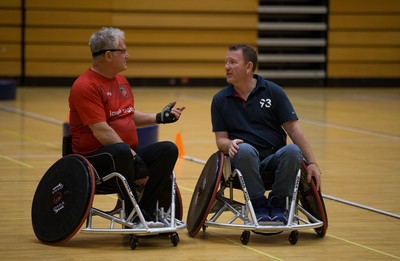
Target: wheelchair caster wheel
293	237
245	237
133	242
174	239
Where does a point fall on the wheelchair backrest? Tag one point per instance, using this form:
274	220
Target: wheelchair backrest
66	145
67	140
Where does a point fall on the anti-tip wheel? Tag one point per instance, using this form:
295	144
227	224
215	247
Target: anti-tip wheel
175	239
245	237
204	228
133	242
294	237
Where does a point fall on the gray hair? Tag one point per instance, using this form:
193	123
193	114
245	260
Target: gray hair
105	38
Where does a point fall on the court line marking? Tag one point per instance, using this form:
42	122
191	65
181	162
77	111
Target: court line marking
30	114
35	156
363	246
16	161
245	246
361	206
347	128
26	137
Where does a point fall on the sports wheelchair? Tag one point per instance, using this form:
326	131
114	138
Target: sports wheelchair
65	194
221	207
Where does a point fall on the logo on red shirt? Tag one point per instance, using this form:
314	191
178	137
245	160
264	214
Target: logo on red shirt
123	91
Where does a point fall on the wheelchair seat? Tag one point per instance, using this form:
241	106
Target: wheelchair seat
103	188
213	203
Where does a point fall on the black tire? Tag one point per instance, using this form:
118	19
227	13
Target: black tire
311	200
63	199
204	193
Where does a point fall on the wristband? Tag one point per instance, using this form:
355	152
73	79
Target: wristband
166	116
312	163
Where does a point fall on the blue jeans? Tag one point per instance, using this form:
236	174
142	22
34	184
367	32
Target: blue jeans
284	163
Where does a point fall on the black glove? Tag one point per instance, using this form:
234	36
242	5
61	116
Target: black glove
165	116
140	168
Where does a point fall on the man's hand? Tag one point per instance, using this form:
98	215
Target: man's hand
314	171
169	113
234	147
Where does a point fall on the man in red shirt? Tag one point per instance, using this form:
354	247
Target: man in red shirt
103	122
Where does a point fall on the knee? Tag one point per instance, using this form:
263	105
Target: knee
117	156
169	149
292	152
246	152
121	151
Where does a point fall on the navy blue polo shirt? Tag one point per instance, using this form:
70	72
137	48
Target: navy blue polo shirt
257	121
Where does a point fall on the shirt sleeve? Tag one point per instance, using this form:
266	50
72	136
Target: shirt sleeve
88	103
284	108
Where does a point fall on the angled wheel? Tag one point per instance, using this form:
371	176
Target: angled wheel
63	199
312	201
204	193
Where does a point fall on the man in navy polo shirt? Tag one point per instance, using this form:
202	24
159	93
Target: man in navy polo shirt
250	119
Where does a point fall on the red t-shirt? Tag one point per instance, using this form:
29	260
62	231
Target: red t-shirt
95	98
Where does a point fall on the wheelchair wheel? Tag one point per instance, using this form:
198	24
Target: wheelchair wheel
312	201
204	193
63	199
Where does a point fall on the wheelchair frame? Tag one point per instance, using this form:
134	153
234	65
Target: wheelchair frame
169	223
225	212
166	221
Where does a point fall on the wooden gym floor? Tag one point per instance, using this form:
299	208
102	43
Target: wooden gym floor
355	134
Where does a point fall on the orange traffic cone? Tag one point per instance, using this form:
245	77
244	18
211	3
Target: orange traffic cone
179	144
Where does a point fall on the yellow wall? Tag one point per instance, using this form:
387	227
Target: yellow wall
364	39
176	38
180	38
10	38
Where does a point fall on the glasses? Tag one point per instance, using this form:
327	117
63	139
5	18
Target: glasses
123	51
